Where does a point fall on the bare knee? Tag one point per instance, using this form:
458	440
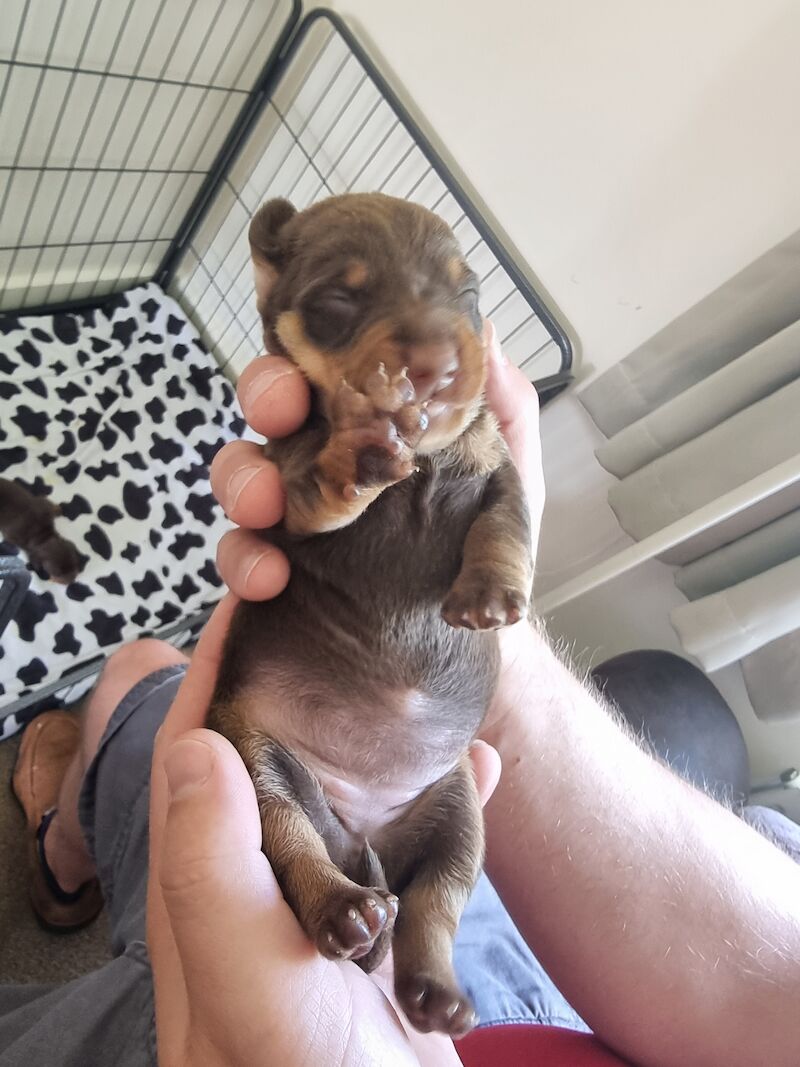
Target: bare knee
124	668
137	659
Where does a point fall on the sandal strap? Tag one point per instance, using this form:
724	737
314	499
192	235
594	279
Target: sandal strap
61	895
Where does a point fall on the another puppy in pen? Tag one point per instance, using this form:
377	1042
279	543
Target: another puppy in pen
28	522
354	696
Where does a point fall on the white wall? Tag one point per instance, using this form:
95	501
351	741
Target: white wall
637	152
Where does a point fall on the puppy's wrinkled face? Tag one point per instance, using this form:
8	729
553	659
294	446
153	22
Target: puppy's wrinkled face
362	280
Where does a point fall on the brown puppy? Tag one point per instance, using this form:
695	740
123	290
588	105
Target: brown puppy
353	697
27	521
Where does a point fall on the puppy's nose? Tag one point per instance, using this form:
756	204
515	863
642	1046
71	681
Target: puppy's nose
432	366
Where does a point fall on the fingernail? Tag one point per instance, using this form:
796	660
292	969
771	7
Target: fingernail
237	482
492	343
263	382
188	766
252	561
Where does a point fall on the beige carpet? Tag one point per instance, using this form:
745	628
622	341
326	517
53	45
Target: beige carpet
28	953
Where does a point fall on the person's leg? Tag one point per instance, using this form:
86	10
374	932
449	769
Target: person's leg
106	1016
65	847
505	981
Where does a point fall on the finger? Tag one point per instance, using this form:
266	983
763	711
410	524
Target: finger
486	766
247	485
511	395
515	402
274	396
225	910
188	710
251	568
512	398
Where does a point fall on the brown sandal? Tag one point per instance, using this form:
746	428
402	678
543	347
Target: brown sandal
47	747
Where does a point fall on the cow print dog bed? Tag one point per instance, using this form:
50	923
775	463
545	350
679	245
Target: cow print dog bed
114	413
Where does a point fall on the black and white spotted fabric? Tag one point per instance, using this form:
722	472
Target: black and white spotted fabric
115	414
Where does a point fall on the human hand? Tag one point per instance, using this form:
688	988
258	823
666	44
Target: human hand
274	398
237	982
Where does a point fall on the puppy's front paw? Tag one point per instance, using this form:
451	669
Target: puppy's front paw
373	434
352	920
483	602
432	1004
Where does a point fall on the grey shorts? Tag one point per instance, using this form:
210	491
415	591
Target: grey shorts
106	1017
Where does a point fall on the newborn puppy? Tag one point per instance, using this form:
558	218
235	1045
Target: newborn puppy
27	522
353	697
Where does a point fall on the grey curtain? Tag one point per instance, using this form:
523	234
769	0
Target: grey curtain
708	406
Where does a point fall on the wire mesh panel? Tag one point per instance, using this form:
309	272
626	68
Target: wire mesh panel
329	128
111	114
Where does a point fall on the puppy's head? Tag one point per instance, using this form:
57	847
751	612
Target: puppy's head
59	558
360	280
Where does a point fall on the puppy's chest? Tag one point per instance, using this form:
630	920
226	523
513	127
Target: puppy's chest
407	544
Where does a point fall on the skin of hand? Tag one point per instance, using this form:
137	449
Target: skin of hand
669	924
237	982
275	400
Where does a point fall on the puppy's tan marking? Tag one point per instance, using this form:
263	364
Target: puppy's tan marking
357	274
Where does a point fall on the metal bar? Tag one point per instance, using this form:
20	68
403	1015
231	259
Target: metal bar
295	143
154	150
517	328
212	285
132	142
54	133
323	178
79	145
14	581
101	170
433	157
83	244
500	303
14	49
354	137
375	151
123	77
34	103
97	300
535	355
488	274
397	166
229	152
89	669
183	188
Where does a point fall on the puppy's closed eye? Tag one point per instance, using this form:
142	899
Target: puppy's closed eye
331	315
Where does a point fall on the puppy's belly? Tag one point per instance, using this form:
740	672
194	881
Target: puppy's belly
373	761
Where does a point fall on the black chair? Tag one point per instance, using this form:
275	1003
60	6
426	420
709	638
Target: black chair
675	707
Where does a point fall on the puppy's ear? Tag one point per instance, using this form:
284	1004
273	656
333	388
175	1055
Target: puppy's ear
268	248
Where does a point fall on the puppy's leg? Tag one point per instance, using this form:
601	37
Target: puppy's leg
493	587
446	829
343	919
330	481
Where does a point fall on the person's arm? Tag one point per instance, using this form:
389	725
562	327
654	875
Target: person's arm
670	925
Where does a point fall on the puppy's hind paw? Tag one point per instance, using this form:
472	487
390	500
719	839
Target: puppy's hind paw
352	920
436	1005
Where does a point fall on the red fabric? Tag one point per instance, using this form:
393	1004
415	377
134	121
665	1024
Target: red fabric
534	1046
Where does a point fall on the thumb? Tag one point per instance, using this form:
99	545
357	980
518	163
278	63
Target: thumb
223	903
515	402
